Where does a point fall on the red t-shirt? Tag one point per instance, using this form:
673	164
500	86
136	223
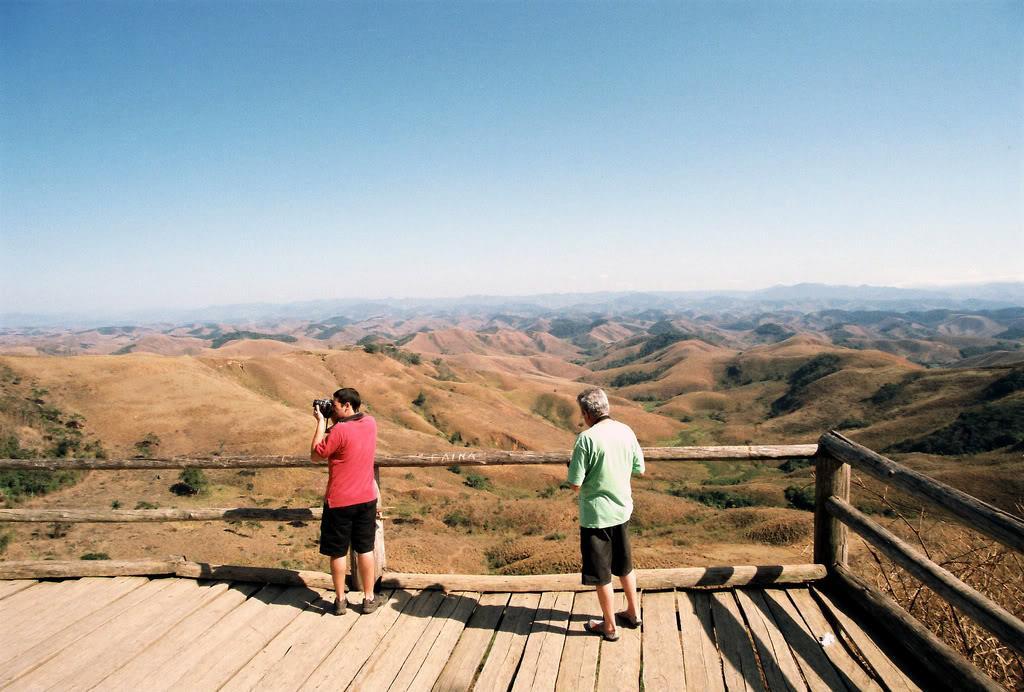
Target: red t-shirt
349	448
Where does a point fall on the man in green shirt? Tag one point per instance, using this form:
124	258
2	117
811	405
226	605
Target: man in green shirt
603	459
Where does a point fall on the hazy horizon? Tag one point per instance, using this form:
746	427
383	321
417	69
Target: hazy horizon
161	156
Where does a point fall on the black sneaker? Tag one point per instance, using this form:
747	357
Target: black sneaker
340	605
372	605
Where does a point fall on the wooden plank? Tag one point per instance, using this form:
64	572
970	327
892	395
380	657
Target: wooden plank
93	658
831	480
136	673
61	606
342	664
387	660
578	669
63	569
554	642
853	675
652	579
701	661
218	666
465	658
425	662
310	649
42	652
216	638
663	653
9	588
888	672
815	666
545	623
777	663
981	516
990	615
463	458
935	656
131	516
509	643
739	661
619	663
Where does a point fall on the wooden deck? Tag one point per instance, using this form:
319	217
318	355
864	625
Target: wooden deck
127	633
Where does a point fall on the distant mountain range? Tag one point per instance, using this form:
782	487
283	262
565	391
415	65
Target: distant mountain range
801	298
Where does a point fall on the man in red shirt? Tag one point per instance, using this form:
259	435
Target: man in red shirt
350	502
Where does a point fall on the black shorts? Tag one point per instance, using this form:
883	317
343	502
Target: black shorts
355	525
605	552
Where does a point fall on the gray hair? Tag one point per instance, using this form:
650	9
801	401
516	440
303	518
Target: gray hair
593	402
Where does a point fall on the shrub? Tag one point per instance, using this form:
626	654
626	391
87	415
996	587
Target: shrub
475	480
115	504
420	400
791	465
95	556
456	518
719	499
800	497
142	504
1007	384
147	446
5	540
455	468
980	430
190	482
625	379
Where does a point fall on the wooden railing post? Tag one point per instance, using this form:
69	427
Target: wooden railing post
831	479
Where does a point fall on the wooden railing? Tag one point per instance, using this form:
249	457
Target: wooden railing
834	457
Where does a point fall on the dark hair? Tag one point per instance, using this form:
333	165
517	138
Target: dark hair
347	395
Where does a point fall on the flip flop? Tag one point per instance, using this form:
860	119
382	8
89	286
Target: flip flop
623	618
597	627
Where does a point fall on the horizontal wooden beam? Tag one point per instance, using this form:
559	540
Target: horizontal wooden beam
650	579
465	457
947	667
89	516
686	577
983	610
66	569
981	516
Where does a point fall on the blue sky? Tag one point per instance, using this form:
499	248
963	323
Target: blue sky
180	154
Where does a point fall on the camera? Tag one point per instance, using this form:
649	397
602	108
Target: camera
325	406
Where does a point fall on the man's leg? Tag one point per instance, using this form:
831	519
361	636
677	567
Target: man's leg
629	589
365	564
606	597
338	575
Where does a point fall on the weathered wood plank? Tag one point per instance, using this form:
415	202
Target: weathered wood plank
425	662
130	516
853	675
63	569
619	664
216	638
538	668
509	643
652	579
739	661
815	666
982	609
62	604
578	668
340	666
299	662
888	672
780	668
42	652
934	656
295	634
554	642
701	661
992	521
217	667
387	660
460	669
9	588
136	673
467	458
93	658
663	653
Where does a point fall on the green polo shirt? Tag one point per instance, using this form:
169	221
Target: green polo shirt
604	458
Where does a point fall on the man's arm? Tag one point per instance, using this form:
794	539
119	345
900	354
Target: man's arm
577	464
318	435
